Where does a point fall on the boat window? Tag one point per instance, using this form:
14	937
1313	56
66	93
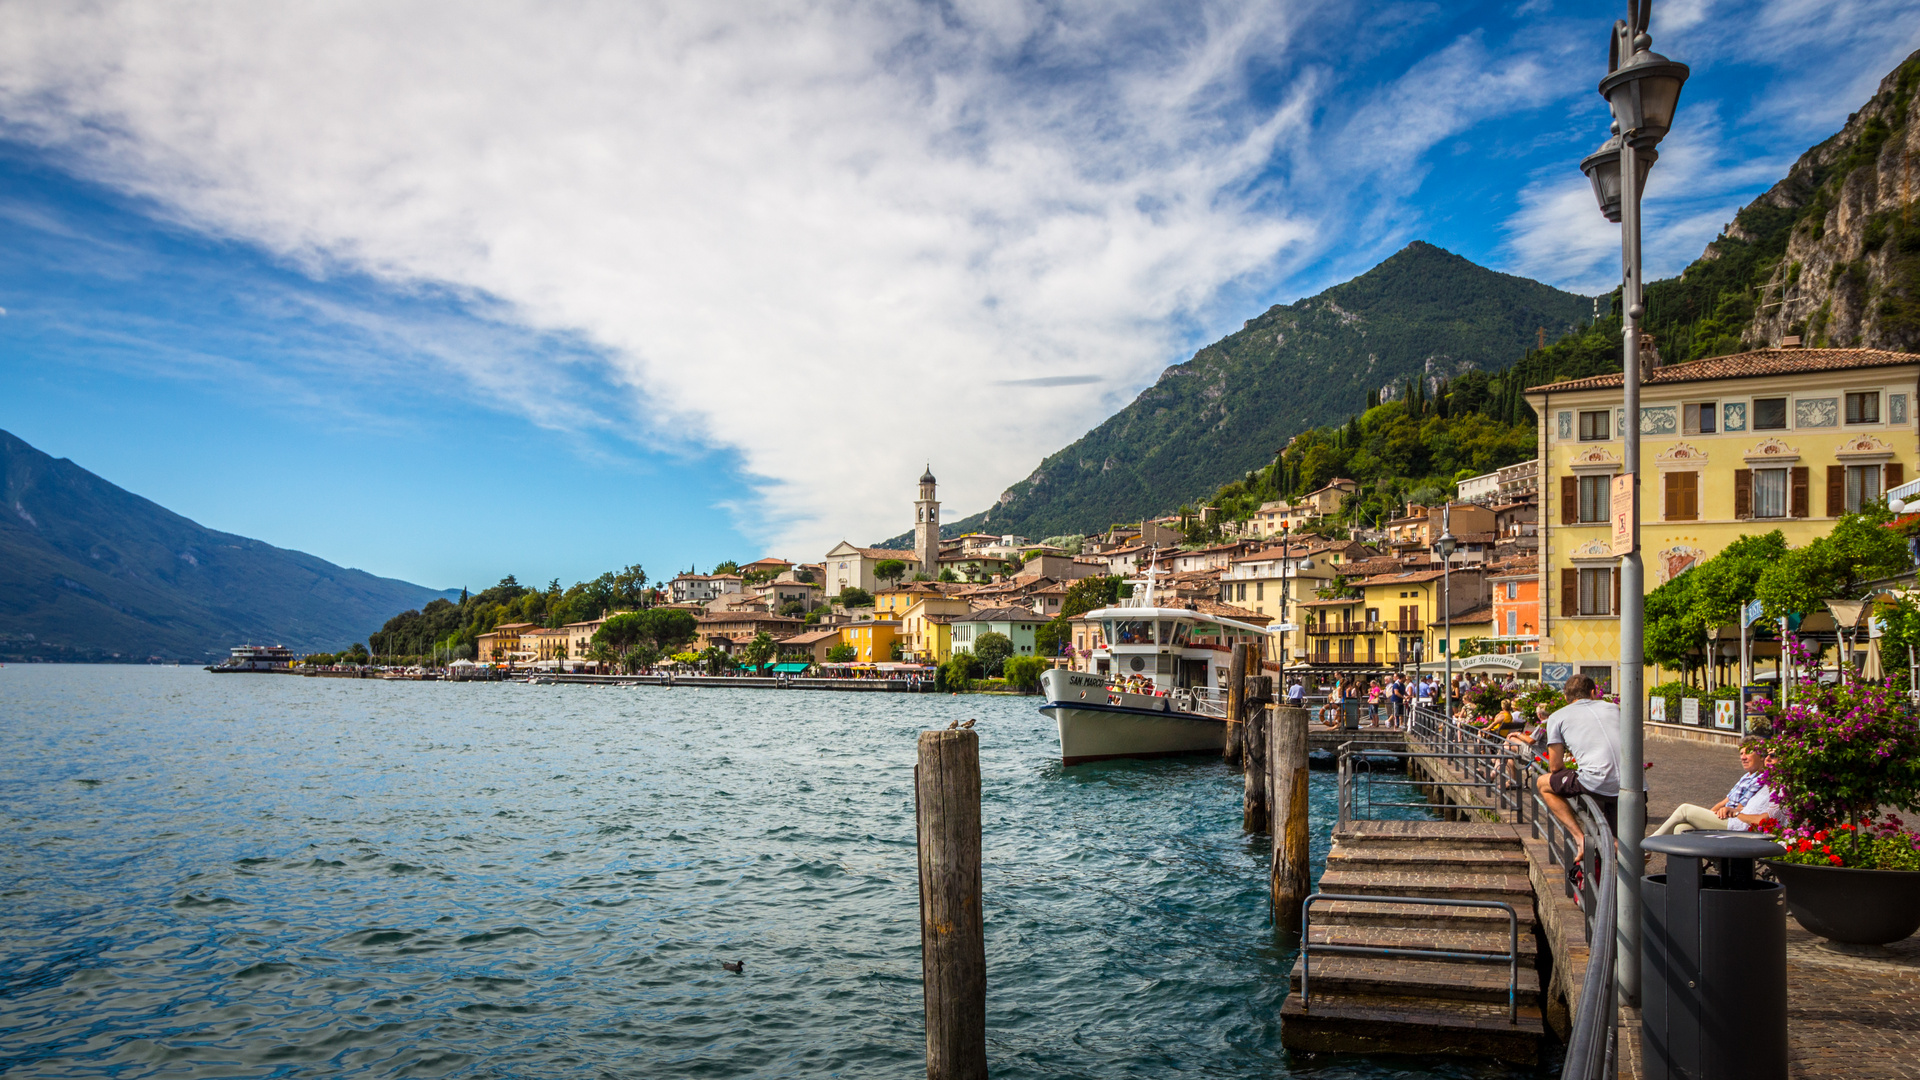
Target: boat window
1166	631
1133	632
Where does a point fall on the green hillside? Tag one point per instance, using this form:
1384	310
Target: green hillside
90	571
1424	314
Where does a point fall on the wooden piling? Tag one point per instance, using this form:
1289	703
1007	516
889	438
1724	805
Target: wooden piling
1287	764
1254	718
953	950
1236	676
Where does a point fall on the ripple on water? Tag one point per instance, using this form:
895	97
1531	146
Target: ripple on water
307	877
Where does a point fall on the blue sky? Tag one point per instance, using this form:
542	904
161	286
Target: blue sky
448	292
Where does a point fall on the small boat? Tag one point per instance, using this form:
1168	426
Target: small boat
252	658
1166	695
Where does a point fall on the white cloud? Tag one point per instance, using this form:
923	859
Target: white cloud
825	236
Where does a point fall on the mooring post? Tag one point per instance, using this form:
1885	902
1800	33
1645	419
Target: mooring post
1287	764
953	949
1236	676
1253	708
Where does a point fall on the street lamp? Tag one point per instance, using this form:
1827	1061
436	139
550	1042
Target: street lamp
1445	546
1642	89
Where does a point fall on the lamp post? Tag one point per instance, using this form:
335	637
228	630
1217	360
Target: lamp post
1642	89
1445	546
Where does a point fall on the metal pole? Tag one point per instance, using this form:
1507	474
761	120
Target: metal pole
1633	795
1446	605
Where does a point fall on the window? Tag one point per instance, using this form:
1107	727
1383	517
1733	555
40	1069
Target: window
1769	493
1863	408
1597	425
1373	614
1697	417
1513	590
1596	591
1863	482
1259	590
1594	499
1241	591
1513	623
1769	414
1682	496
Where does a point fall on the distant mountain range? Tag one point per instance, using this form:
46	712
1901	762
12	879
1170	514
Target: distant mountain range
90	571
1424	313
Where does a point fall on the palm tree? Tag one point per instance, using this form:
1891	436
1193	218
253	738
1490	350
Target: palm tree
760	650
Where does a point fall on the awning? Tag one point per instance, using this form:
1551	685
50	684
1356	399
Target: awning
788	669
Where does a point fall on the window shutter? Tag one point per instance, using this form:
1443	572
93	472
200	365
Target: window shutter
1895	476
1836	490
1569	591
1690	491
1670	504
1569	500
1615	575
1743	493
1799	478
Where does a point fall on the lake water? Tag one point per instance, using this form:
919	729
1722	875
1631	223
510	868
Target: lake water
241	875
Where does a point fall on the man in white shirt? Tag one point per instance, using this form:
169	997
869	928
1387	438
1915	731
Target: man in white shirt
1587	728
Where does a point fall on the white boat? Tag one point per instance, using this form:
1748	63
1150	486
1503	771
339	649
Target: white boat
1164	690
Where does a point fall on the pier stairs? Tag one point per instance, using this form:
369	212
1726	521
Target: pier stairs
1454	979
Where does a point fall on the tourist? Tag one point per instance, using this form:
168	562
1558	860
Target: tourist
1297	694
1748	804
1588	727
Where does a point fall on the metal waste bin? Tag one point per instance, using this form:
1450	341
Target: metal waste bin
1713	961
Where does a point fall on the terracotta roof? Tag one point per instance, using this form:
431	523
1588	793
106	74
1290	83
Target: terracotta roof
750	617
1332	603
1404	577
1228	611
1002	614
810	637
1516	568
1474	615
1745	365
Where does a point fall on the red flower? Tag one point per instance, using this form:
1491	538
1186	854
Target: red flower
1835	859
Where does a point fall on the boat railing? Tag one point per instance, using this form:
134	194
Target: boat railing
1202	700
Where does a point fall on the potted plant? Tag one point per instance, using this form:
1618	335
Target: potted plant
1839	754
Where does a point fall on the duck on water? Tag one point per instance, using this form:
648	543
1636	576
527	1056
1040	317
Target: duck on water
1164	693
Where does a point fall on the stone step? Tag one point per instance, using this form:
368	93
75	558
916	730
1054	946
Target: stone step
1451	886
1431	832
1370	1024
1489	940
1400	976
1421	916
1385	855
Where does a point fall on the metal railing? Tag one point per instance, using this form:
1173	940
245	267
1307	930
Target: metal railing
1308	947
1499	774
1201	700
1591	880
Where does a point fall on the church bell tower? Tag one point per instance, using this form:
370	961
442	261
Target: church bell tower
926	525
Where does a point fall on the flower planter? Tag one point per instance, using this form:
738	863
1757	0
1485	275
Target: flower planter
1854	907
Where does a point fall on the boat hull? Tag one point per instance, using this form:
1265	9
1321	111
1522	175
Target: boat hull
1093	732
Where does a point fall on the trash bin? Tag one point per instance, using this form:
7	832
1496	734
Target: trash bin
1713	961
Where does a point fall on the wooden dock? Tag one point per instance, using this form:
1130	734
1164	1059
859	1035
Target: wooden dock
1407	1004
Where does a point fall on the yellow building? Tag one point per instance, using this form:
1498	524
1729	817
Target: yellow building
1786	439
893	603
926	630
872	641
1393	614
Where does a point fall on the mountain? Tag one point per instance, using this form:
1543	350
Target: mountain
1424	313
90	571
1830	254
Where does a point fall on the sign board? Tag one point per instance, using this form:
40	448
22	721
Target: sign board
1621	513
1725	715
1283	628
1510	661
1750	614
1690	711
1656	710
1555	674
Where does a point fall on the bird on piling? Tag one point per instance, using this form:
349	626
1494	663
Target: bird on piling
967	724
735	966
953	725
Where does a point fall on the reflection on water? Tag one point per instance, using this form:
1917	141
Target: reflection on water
262	875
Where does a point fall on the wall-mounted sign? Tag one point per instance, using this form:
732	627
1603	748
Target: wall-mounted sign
1621	511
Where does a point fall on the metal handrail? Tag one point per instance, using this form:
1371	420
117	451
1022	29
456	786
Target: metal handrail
1308	948
1593	1046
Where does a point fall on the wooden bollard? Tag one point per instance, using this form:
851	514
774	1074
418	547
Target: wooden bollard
1287	764
1236	676
953	948
1253	709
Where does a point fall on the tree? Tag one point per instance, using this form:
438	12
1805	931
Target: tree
993	648
947	574
841	654
600	653
890	570
1023	672
716	660
793	608
854	596
727	567
897	651
641	657
1834	566
630	586
623	631
760	650
805	577
959	671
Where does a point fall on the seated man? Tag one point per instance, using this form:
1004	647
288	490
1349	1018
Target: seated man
1589	727
1749	803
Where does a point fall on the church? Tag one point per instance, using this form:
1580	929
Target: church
848	566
